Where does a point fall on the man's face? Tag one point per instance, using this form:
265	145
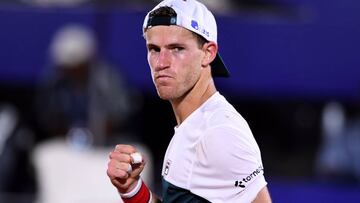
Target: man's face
175	59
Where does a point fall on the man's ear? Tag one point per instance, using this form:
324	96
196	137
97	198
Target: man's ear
210	49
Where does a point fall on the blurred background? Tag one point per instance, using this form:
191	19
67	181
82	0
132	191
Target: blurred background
74	82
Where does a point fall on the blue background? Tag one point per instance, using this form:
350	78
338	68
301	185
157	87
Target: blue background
310	51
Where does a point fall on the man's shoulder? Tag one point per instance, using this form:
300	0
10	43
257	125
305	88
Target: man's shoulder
225	124
222	113
218	113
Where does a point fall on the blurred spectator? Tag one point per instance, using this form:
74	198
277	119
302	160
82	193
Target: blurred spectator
17	174
339	154
82	97
83	106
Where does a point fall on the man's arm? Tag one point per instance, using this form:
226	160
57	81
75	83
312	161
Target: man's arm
263	196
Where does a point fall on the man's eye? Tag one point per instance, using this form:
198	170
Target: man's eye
153	49
178	48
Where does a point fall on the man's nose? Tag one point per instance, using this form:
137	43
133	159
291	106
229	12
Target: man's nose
163	61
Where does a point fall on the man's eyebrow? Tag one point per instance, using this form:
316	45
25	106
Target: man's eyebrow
172	45
151	45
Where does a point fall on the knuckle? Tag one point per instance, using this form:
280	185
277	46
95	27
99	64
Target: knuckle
110	173
122	174
111	155
128	159
111	163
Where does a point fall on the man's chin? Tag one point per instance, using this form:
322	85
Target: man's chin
165	95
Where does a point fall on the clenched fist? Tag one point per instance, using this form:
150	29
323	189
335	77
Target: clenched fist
124	167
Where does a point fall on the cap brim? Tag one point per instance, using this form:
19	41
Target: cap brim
218	67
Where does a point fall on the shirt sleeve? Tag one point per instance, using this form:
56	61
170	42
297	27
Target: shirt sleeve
229	167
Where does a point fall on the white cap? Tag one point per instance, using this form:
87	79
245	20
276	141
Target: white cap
72	44
194	16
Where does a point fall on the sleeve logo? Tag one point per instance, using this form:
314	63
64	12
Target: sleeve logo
245	181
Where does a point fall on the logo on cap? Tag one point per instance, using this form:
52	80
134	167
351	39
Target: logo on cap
194	24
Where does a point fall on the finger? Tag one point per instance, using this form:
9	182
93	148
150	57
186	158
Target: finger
118	170
128	149
117	174
120	157
129	169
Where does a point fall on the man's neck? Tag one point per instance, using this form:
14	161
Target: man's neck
191	101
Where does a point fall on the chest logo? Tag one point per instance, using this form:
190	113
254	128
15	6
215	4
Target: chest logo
167	167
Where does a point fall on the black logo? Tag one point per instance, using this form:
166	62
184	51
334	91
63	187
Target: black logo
167	167
239	184
242	183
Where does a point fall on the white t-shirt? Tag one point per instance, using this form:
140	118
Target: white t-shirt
213	156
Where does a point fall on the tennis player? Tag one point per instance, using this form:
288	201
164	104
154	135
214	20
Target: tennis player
213	156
